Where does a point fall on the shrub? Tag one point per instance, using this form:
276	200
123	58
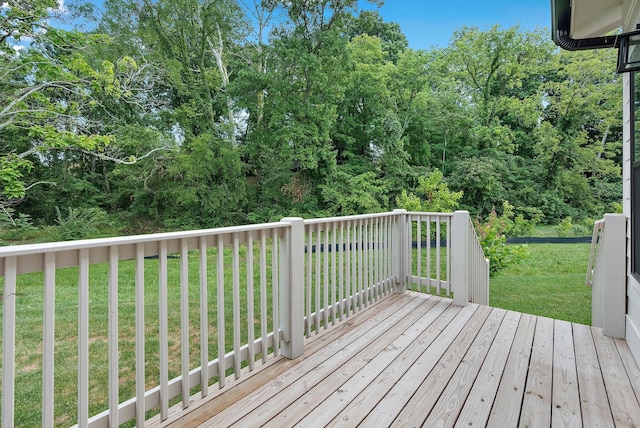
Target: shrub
567	228
9	220
433	195
13	226
493	239
80	223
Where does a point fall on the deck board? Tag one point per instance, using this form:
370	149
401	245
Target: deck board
565	410
508	401
414	360
342	350
616	379
447	409
536	407
428	393
485	387
360	407
594	403
353	397
343	364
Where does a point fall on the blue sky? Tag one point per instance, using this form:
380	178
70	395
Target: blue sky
428	23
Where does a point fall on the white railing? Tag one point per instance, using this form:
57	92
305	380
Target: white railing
470	277
162	317
478	266
606	274
349	265
163	291
598	233
430	263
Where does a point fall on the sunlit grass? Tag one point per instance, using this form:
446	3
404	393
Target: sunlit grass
549	282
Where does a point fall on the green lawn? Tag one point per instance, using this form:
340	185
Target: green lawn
549	282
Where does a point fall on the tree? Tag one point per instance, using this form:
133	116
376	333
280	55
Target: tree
189	45
291	146
48	89
371	23
579	141
499	69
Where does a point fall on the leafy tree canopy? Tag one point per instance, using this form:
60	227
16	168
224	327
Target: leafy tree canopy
198	113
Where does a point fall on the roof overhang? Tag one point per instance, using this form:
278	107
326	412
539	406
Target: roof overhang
583	24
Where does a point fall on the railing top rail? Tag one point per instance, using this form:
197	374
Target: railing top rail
434	214
21	250
349	218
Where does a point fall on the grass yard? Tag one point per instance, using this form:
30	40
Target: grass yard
549	282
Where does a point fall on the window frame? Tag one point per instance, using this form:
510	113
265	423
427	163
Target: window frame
635	174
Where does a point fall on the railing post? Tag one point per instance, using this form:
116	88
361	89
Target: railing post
460	230
292	288
401	252
487	281
610	283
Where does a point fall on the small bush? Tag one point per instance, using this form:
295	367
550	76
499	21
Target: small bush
493	239
81	223
432	195
13	226
567	228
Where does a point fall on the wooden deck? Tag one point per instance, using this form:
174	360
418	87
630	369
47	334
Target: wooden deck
418	360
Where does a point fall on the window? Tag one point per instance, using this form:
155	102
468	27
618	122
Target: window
635	174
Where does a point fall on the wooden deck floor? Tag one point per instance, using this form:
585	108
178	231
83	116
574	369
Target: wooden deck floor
418	360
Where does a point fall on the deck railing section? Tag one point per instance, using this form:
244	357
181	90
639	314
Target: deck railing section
430	261
163	317
606	274
470	275
184	290
349	265
596	242
478	277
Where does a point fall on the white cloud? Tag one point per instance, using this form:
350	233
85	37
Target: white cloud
61	9
61	6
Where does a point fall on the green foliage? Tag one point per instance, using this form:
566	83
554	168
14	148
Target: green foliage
14	226
351	195
186	114
433	195
12	172
493	239
567	228
9	219
206	188
517	225
390	34
81	223
522	227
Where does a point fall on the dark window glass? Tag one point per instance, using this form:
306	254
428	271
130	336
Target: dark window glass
635	174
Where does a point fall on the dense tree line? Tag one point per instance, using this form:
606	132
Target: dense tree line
202	113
